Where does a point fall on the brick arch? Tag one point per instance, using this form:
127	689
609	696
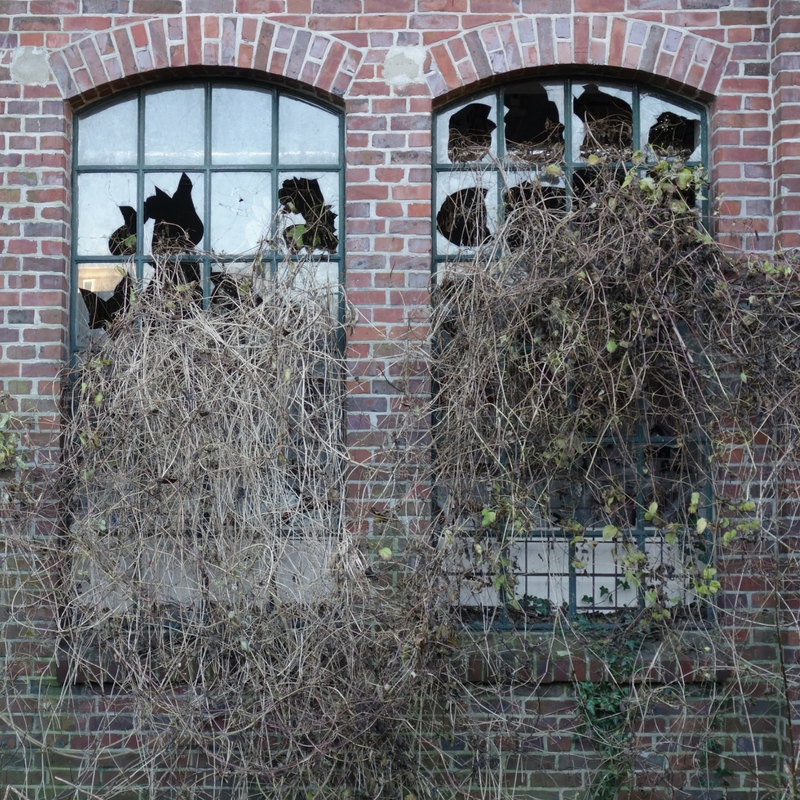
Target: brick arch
674	56
126	55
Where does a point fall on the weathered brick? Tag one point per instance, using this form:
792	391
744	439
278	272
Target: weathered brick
105	6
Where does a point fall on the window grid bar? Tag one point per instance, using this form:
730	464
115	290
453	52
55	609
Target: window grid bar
207	169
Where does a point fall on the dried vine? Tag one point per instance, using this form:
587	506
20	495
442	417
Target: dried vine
605	379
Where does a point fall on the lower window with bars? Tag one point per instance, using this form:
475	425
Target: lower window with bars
611	537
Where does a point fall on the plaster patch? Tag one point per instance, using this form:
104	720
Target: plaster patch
30	67
403	65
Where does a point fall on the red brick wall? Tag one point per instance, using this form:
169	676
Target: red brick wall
738	56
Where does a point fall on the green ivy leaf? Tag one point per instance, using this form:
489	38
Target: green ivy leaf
609	532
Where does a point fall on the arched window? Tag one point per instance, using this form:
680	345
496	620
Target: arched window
492	147
581	518
208	173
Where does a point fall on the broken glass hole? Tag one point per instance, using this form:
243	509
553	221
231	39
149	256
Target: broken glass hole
104	307
608	121
177	225
672	135
533	130
123	241
470	133
462	217
318	232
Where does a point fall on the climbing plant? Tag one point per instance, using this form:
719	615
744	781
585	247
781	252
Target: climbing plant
608	446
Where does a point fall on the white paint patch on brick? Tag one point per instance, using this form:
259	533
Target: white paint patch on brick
30	67
403	65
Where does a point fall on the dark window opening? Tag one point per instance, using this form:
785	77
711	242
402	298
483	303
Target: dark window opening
672	135
304	196
470	135
608	121
533	130
462	217
177	227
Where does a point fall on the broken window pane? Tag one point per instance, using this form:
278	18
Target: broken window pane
241	210
307	201
173	206
106	215
470	134
467	132
465	211
534	130
174	131
668	129
306	134
109	136
602	122
102	293
241	126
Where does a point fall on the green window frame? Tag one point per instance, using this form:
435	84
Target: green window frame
138	142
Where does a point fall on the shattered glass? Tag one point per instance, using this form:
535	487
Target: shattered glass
173	209
534	128
668	130
241	210
104	202
602	121
467	132
466	212
307	201
102	292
